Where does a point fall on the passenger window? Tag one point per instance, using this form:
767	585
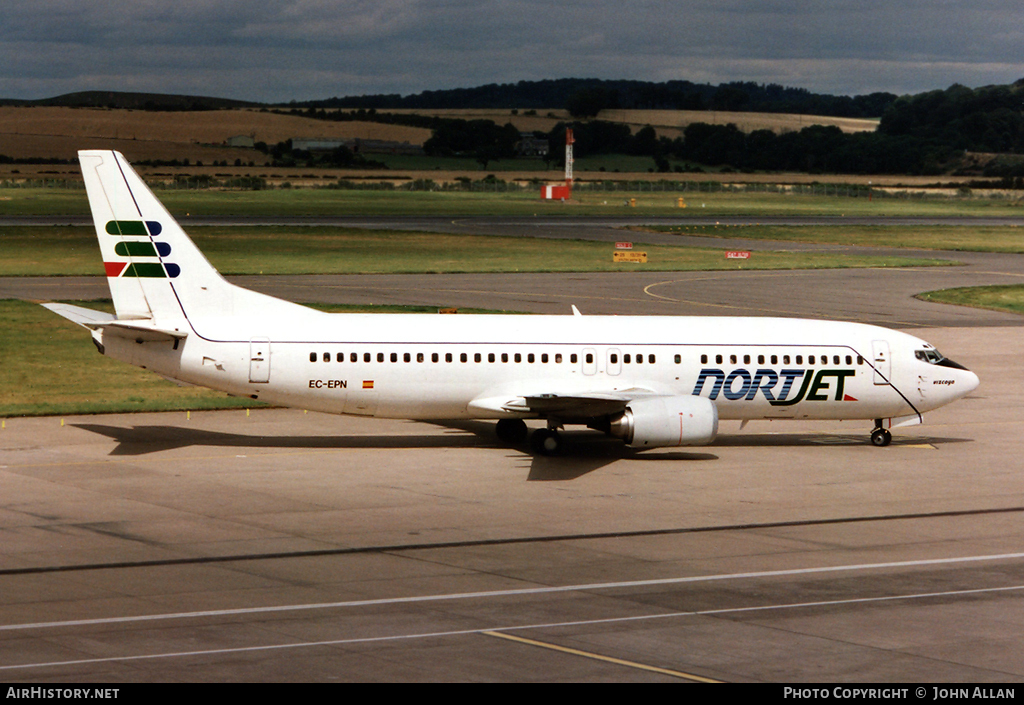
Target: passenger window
544	357
678	359
353	357
530	358
650	359
574	358
849	360
518	357
407	357
775	359
627	358
394	357
718	359
380	357
614	359
447	357
433	357
835	359
639	359
504	357
312	357
860	360
477	357
590	358
558	358
703	359
419	357
366	357
490	357
340	357
327	357
464	357
760	359
799	359
732	359
746	359
785	359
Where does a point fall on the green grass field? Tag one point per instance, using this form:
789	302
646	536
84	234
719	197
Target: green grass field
950	237
322	201
50	366
998	298
72	250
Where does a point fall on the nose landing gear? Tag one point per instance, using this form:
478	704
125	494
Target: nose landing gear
880	437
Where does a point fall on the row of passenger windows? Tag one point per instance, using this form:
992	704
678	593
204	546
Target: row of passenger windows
628	358
448	357
799	359
613	358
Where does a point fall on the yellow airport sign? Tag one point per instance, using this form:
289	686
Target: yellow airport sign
629	256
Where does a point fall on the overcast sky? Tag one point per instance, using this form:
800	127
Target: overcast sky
281	50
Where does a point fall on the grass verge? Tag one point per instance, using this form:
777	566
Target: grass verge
1009	298
614	202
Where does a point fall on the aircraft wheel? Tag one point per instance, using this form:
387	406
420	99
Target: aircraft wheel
511	431
545	441
880	437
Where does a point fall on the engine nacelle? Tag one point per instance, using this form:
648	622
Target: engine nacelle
667	421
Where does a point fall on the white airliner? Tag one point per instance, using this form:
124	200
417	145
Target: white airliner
652	381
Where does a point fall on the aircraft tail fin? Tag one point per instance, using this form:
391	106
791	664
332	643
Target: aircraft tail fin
153	268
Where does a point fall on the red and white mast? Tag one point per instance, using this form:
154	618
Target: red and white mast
568	158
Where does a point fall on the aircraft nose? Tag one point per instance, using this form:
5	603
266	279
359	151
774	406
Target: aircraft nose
970	381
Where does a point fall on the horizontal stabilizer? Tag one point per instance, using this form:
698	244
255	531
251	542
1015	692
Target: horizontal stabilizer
143	329
85	317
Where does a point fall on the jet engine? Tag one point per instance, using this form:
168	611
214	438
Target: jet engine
667	421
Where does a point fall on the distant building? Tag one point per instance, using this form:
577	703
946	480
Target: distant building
531	146
241	141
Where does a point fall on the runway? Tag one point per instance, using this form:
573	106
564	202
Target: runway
280	546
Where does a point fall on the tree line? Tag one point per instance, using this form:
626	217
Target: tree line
586	97
926	133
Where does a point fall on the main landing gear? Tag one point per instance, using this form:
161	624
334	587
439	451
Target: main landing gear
511	431
880	437
543	441
546	441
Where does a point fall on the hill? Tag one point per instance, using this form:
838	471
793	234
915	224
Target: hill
120	100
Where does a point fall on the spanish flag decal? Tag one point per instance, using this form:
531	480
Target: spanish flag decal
367	384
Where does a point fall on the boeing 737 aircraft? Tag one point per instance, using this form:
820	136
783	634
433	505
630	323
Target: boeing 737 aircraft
652	381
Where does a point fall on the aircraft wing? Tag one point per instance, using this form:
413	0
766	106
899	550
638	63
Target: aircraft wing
143	329
565	406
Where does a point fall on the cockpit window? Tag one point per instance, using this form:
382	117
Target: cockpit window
934	357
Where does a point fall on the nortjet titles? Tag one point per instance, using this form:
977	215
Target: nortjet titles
741	384
650	381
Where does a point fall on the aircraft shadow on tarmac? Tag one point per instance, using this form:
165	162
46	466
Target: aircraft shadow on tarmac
584	452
